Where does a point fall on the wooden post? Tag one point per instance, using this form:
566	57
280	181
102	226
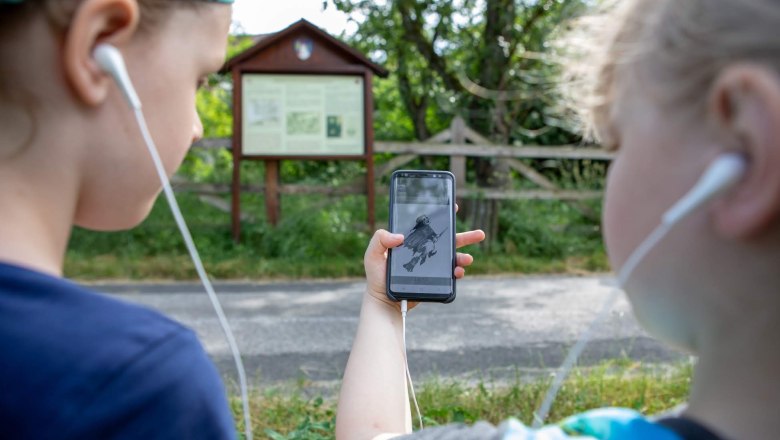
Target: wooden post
272	206
371	190
368	104
235	209
458	163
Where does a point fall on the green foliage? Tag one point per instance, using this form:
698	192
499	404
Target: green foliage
393	122
211	166
238	44
486	61
309	428
213	103
284	414
550	230
319	238
318	234
214	100
612	384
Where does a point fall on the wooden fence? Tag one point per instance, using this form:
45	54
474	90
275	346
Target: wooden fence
457	142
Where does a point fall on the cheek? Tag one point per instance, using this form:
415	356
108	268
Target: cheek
118	199
173	129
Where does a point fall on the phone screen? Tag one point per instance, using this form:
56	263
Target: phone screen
422	210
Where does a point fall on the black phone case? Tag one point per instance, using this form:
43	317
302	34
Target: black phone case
418	297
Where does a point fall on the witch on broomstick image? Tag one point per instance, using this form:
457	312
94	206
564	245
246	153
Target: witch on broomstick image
422	242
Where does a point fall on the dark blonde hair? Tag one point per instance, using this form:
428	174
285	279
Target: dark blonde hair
677	48
59	13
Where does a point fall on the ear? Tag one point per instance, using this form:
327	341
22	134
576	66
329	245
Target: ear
93	22
746	103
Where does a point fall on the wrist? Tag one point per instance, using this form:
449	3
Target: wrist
381	303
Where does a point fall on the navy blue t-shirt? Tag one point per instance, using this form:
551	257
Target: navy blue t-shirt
75	365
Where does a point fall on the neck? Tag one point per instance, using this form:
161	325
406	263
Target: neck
735	391
38	202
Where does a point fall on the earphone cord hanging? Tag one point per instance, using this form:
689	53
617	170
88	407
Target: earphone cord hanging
571	358
404	308
185	232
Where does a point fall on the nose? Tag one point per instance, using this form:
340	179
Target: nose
197	128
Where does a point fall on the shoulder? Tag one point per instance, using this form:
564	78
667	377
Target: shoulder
169	390
88	362
54	319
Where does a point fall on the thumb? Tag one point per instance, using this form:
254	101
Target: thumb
382	241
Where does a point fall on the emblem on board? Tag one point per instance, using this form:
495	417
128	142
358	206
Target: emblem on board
303	48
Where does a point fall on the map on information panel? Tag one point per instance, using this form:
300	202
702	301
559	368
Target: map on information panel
302	115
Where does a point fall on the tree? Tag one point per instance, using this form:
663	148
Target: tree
481	60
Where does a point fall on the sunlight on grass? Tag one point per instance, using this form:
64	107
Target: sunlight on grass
294	413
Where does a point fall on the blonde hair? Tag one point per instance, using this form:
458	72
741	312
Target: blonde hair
677	48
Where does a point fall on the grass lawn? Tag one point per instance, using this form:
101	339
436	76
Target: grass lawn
294	413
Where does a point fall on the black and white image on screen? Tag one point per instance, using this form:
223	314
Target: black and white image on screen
422	212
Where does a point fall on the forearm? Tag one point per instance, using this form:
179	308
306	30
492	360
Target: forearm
373	398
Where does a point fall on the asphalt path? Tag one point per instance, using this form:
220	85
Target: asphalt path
496	328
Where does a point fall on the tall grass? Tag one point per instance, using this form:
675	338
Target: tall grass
320	238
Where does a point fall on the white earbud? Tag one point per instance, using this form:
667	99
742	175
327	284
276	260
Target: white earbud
110	60
722	174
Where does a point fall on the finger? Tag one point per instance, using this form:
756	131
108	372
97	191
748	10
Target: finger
459	272
382	241
470	237
465	260
457	208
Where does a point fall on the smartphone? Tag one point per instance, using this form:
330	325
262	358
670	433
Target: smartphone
422	208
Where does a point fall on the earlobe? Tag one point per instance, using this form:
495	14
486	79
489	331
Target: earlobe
93	22
746	103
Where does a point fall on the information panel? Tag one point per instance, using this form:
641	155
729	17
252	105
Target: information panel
303	115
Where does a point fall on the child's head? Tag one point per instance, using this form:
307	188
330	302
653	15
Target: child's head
682	81
65	131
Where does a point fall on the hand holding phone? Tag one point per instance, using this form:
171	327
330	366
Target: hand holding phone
422	208
375	261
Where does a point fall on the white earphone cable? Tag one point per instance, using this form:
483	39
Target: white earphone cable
404	308
185	232
720	175
571	358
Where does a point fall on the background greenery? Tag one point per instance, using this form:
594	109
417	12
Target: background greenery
319	238
436	51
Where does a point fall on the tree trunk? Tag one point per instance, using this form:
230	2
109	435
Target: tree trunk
493	173
416	106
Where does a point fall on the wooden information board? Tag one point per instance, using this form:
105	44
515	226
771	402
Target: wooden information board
300	94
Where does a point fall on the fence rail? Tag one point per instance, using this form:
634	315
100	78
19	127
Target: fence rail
469	150
498	151
408	151
457	142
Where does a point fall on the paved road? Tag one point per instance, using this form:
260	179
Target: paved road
497	326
